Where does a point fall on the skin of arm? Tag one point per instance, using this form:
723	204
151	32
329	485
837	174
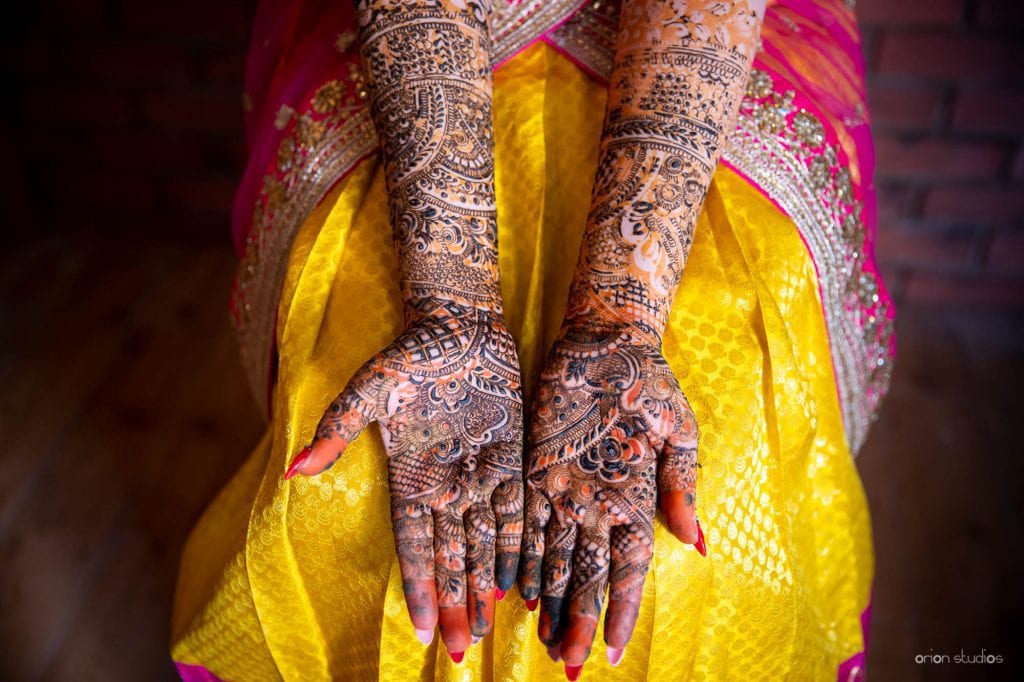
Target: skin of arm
446	393
611	433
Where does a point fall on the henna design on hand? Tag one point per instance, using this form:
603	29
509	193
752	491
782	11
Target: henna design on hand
610	428
611	432
448	399
447	392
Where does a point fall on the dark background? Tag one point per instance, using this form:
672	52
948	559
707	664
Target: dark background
122	404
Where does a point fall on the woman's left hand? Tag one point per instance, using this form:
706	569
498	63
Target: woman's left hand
610	429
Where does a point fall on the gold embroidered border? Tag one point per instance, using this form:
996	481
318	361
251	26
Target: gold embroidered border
517	23
318	147
783	149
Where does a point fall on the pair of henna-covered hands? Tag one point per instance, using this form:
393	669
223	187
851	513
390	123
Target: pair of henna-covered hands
610	432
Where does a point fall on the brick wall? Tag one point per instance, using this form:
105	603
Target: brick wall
124	115
946	89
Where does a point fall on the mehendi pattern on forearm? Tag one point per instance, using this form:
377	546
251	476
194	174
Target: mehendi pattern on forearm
430	79
680	72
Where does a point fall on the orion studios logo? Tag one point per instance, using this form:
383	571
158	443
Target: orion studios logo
961	657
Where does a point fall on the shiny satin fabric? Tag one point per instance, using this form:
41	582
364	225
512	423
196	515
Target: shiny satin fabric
298	580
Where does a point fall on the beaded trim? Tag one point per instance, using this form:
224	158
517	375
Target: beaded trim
588	38
318	146
517	23
783	148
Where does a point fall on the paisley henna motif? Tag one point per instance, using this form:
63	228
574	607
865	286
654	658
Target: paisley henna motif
611	432
610	427
680	69
448	400
447	392
429	72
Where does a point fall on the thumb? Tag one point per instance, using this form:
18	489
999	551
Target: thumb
343	420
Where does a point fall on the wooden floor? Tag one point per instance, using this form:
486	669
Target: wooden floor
123	410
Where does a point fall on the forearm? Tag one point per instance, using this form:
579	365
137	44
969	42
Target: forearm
680	72
429	75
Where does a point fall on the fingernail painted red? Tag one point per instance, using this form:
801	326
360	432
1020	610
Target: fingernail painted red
531	604
457	655
572	672
297	462
499	593
700	541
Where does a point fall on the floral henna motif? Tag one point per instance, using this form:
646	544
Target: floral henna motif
610	428
429	72
447	392
679	75
611	433
448	400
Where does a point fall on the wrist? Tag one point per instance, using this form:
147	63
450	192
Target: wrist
600	314
452	257
425	302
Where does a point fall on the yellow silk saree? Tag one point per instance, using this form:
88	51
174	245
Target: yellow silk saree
780	335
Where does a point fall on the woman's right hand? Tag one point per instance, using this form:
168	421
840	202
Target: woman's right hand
610	433
447	397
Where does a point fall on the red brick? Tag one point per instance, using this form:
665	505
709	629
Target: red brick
224	21
32	58
78	14
933	158
135	63
900	107
1001	14
895	202
990	111
924	247
203	111
962	291
985	203
979	59
77	105
52	146
916	12
895	280
223	68
1006	252
225	153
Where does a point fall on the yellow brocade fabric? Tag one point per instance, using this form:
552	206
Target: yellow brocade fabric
298	580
